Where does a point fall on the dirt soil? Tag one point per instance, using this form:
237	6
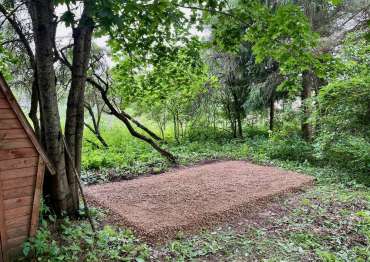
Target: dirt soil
157	207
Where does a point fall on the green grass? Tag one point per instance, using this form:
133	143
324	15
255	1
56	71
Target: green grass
128	157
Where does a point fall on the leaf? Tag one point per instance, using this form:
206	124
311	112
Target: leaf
68	18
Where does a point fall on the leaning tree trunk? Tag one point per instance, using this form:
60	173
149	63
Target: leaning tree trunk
43	22
75	106
308	80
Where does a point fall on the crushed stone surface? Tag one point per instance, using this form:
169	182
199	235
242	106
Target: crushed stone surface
157	207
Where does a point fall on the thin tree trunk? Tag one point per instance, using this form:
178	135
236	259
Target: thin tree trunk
75	106
43	22
34	106
95	129
97	134
171	158
141	126
272	114
307	86
240	126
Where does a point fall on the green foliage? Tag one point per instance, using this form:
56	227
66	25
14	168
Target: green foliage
5	59
352	59
292	148
171	82
286	37
76	242
344	151
345	105
148	29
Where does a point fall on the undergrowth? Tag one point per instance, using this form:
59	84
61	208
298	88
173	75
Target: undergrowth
329	222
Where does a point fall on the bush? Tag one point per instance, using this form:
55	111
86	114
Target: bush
291	148
344	151
344	106
76	242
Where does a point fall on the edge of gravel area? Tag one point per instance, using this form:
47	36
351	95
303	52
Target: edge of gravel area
206	220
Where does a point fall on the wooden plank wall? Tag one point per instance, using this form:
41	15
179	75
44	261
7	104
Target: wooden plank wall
19	161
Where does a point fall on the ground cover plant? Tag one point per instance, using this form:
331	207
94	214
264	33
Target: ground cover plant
329	222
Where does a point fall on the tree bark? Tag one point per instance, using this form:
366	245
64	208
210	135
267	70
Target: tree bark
44	25
308	80
240	125
272	114
34	106
35	90
75	106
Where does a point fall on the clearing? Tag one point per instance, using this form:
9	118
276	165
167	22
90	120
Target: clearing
188	199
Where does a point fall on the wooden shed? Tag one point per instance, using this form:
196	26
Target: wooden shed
22	166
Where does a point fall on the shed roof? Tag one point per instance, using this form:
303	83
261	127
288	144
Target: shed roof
24	122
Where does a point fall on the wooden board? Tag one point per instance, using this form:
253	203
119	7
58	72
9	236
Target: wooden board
1	251
6	154
18	163
2	226
15	143
3	103
18	192
17	222
12	133
9	101
7	114
11	214
18	202
18	173
18	182
9	123
16	242
37	197
18	231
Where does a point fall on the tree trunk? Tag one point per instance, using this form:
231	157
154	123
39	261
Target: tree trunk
75	106
233	128
44	25
272	114
240	125
308	79
34	106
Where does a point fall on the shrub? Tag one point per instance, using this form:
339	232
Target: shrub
76	242
344	151
292	148
344	106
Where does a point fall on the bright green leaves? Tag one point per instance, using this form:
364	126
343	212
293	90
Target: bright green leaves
284	36
5	59
170	83
346	105
335	2
149	28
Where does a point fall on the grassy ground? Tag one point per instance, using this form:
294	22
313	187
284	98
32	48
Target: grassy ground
328	222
